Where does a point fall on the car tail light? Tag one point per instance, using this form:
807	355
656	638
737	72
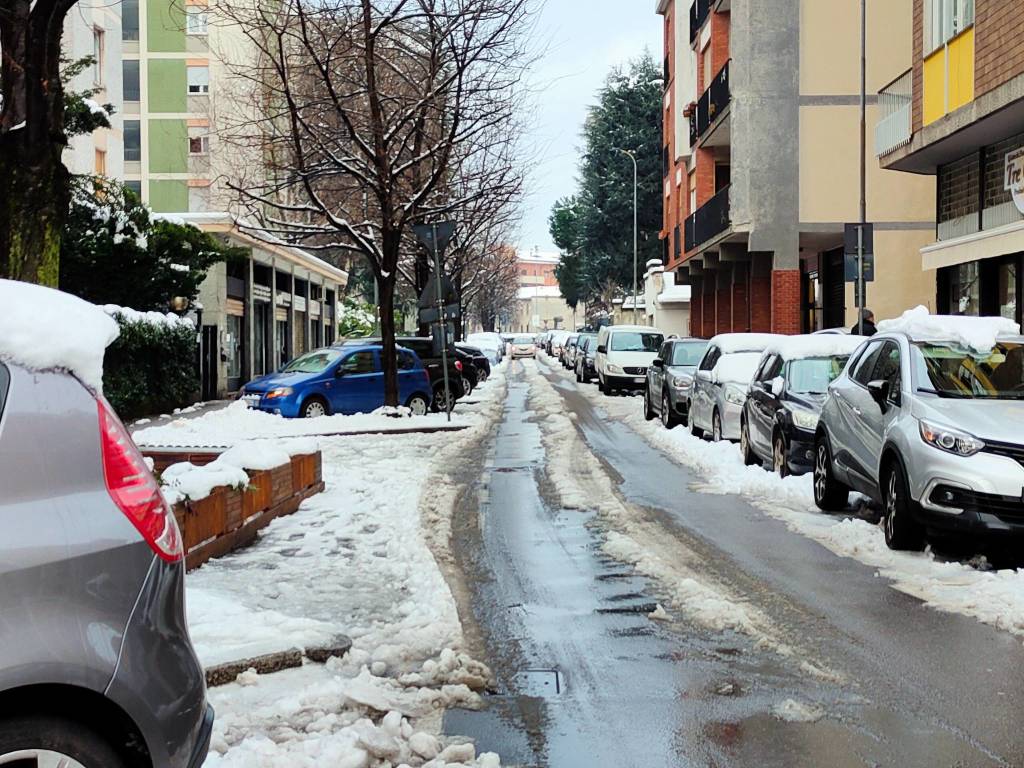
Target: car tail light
134	489
458	366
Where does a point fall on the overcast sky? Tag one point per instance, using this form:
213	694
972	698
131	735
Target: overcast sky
583	39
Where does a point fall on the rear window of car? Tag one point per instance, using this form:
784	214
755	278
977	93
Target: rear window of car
5	380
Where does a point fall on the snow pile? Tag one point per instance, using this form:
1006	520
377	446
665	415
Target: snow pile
186	481
353	560
161	319
237	422
993	597
743	342
792	711
44	329
824	345
978	333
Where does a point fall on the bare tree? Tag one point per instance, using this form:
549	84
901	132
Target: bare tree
34	184
369	109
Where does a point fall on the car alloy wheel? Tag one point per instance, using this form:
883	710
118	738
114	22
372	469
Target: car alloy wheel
749	459
314	409
666	412
39	758
716	428
418	405
821	469
890	509
648	411
779	457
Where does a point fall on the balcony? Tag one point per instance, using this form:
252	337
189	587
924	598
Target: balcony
708	221
895	104
699	11
712	104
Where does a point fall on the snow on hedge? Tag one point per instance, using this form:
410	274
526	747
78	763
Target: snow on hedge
743	342
823	345
45	329
160	319
977	333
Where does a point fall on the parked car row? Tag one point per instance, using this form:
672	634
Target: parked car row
923	418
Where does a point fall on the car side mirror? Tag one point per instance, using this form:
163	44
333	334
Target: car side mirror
704	376
776	385
602	349
658	363
879	390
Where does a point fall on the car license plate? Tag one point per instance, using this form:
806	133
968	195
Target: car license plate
638	380
253	401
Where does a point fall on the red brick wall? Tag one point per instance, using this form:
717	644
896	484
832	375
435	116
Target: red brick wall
705	176
786	301
709	306
696	311
719	41
998	43
724	302
760	302
740	308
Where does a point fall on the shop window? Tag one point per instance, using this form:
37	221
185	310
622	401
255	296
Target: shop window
1007	289
965	289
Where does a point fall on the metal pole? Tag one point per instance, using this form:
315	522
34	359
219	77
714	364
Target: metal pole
861	303
443	327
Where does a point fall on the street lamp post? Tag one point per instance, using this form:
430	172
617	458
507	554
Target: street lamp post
636	241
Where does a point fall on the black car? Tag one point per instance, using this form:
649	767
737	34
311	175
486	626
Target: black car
424	349
586	353
781	412
480	361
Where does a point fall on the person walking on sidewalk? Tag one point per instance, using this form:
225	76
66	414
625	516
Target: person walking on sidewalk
869	324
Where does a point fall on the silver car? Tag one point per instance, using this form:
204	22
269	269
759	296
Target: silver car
930	429
721	383
670	380
97	669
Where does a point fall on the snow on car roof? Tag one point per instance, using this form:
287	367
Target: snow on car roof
825	345
45	329
978	333
743	342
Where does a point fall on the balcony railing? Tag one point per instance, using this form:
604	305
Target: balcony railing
895	102
709	220
711	104
699	11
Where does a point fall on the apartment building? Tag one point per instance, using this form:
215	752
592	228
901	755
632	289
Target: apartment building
762	135
956	115
94	30
540	306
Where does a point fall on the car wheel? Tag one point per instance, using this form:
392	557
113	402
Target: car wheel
746	449
50	742
694	429
716	427
648	411
418	405
668	418
779	463
314	408
829	493
579	378
467	386
601	385
902	532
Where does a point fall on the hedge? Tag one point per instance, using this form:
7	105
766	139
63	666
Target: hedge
150	368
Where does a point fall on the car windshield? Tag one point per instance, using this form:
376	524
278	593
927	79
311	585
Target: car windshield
313	362
522	341
950	370
688	353
813	375
636	341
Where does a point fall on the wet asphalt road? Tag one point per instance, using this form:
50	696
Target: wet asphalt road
587	679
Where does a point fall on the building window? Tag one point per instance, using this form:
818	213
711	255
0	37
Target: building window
129	19
965	289
196	20
944	20
99	54
130	78
1007	289
199	144
101	162
132	141
135	187
198	80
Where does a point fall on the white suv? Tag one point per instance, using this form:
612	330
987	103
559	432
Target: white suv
624	353
929	425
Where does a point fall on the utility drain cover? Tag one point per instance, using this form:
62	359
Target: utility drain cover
539	683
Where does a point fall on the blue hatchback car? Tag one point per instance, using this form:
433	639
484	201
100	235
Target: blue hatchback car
343	380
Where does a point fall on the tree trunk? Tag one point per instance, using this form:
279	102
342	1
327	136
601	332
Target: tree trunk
34	185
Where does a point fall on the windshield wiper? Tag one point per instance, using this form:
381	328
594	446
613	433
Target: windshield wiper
945	393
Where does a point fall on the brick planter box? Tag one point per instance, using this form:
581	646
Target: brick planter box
230	518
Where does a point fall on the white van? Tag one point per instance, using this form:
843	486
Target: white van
624	353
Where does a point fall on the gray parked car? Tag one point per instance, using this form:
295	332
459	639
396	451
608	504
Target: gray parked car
670	378
931	429
97	669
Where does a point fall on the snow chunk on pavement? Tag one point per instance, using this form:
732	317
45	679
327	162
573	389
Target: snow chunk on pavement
793	711
44	329
978	333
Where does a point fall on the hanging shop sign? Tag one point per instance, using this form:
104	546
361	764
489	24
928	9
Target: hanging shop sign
1014	178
